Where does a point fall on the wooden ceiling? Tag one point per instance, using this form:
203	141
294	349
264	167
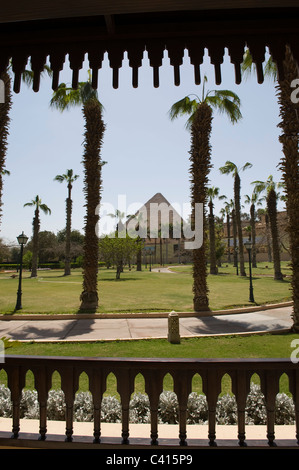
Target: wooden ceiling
38	31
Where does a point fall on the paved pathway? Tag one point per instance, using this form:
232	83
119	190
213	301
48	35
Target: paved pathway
93	329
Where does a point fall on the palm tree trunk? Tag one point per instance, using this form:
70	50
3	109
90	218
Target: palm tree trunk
200	157
268	236
237	187
67	261
4	128
228	237
253	235
138	255
36	226
94	130
272	211
235	238
289	165
213	263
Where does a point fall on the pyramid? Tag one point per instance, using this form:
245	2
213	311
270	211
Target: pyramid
158	214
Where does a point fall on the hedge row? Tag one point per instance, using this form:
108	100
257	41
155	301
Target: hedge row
168	411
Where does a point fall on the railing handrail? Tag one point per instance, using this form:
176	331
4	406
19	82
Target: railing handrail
153	370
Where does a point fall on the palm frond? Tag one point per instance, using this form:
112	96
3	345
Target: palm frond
182	107
247	165
228	168
65	97
59	178
226	102
45	209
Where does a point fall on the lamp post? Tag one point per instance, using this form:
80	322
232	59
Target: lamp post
248	246
22	240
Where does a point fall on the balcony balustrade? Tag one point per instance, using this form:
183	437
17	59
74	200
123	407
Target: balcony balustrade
153	371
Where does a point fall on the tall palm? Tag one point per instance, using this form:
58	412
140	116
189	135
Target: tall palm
27	77
234	170
200	112
270	187
228	207
289	163
4	129
213	193
39	206
69	177
85	96
254	201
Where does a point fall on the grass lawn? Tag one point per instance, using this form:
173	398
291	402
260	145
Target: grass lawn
254	346
142	291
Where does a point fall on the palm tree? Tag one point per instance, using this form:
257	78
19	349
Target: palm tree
86	97
37	204
4	128
228	207
69	177
271	199
231	168
200	111
213	193
289	163
254	200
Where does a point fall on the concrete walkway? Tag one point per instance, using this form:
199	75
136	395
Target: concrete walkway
94	328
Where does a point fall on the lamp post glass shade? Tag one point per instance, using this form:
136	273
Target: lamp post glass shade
248	245
22	239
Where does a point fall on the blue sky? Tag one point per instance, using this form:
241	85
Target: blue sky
145	151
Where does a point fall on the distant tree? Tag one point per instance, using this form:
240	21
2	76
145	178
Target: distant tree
47	246
234	170
117	251
27	259
269	186
213	193
69	177
254	201
38	206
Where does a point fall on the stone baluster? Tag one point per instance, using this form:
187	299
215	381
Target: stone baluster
69	385
270	388
211	388
154	388
43	382
240	388
182	388
125	387
97	386
16	383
